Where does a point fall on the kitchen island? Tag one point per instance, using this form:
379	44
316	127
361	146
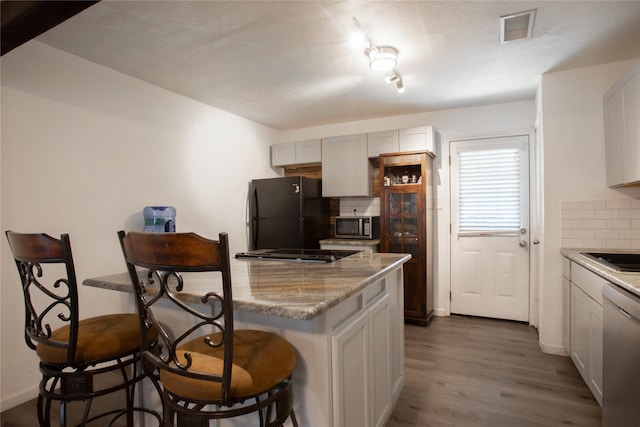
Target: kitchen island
344	318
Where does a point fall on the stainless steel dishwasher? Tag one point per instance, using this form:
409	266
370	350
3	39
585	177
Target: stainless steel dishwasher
621	358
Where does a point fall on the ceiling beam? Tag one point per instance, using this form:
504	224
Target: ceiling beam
24	20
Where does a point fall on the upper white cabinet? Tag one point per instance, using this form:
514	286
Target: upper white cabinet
418	138
622	128
346	170
382	142
295	153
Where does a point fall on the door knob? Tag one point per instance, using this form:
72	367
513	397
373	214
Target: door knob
523	244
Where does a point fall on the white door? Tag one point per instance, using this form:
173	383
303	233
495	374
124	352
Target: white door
490	227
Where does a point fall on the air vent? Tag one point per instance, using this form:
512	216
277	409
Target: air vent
518	26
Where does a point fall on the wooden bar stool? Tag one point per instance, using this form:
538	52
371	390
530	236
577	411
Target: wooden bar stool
210	370
73	352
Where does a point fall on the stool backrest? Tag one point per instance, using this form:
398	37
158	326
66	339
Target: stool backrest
156	263
49	287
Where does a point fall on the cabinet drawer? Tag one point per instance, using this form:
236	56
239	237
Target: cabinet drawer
589	282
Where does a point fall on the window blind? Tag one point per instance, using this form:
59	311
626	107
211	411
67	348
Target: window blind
489	190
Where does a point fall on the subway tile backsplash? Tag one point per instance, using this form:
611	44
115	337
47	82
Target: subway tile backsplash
606	224
363	206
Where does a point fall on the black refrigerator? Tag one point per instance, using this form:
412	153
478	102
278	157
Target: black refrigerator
287	212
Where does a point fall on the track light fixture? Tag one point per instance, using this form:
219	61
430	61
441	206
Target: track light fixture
384	58
396	79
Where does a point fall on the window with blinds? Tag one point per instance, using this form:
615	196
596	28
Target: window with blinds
489	191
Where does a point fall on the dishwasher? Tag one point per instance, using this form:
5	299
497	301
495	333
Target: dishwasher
621	358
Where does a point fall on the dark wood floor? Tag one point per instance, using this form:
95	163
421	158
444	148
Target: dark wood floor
26	415
469	372
464	371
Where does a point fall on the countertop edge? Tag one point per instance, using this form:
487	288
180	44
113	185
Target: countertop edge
116	282
628	281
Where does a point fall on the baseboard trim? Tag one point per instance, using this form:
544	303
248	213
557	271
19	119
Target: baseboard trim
440	312
557	350
19	398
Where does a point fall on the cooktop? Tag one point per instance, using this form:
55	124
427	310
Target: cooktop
625	262
298	255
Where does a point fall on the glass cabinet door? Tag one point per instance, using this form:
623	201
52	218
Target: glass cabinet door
403	222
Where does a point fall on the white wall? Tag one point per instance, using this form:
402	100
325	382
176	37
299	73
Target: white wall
83	150
491	120
574	170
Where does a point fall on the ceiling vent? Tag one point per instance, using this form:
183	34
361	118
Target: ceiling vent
517	26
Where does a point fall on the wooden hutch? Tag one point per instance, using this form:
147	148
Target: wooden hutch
406	226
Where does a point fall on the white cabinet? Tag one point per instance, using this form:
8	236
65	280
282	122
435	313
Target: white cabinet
595	349
586	326
350	351
417	139
295	153
361	372
566	302
346	170
382	142
622	128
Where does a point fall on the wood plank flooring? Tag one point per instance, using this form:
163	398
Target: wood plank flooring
26	414
469	372
465	371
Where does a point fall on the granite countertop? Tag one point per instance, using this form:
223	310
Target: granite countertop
628	281
282	288
351	242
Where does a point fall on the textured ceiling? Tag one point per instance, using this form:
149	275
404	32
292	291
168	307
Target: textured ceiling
289	64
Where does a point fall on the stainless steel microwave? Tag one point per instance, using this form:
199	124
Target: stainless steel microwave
357	227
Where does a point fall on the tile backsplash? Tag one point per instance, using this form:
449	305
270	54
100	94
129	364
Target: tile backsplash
363	206
606	224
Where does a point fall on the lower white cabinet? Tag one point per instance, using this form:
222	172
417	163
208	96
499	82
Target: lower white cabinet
586	326
566	302
362	369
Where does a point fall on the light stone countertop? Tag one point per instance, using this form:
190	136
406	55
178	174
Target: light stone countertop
628	281
289	289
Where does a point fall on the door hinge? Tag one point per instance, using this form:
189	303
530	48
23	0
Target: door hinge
449	295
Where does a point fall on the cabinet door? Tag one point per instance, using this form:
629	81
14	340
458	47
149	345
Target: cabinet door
382	142
614	136
351	373
417	139
394	284
309	151
283	154
566	296
380	340
595	349
580	320
346	171
630	88
403	231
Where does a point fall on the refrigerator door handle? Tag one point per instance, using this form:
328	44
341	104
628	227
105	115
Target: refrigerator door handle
254	218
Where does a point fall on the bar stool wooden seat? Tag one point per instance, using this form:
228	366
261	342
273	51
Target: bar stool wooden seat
73	353
209	369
